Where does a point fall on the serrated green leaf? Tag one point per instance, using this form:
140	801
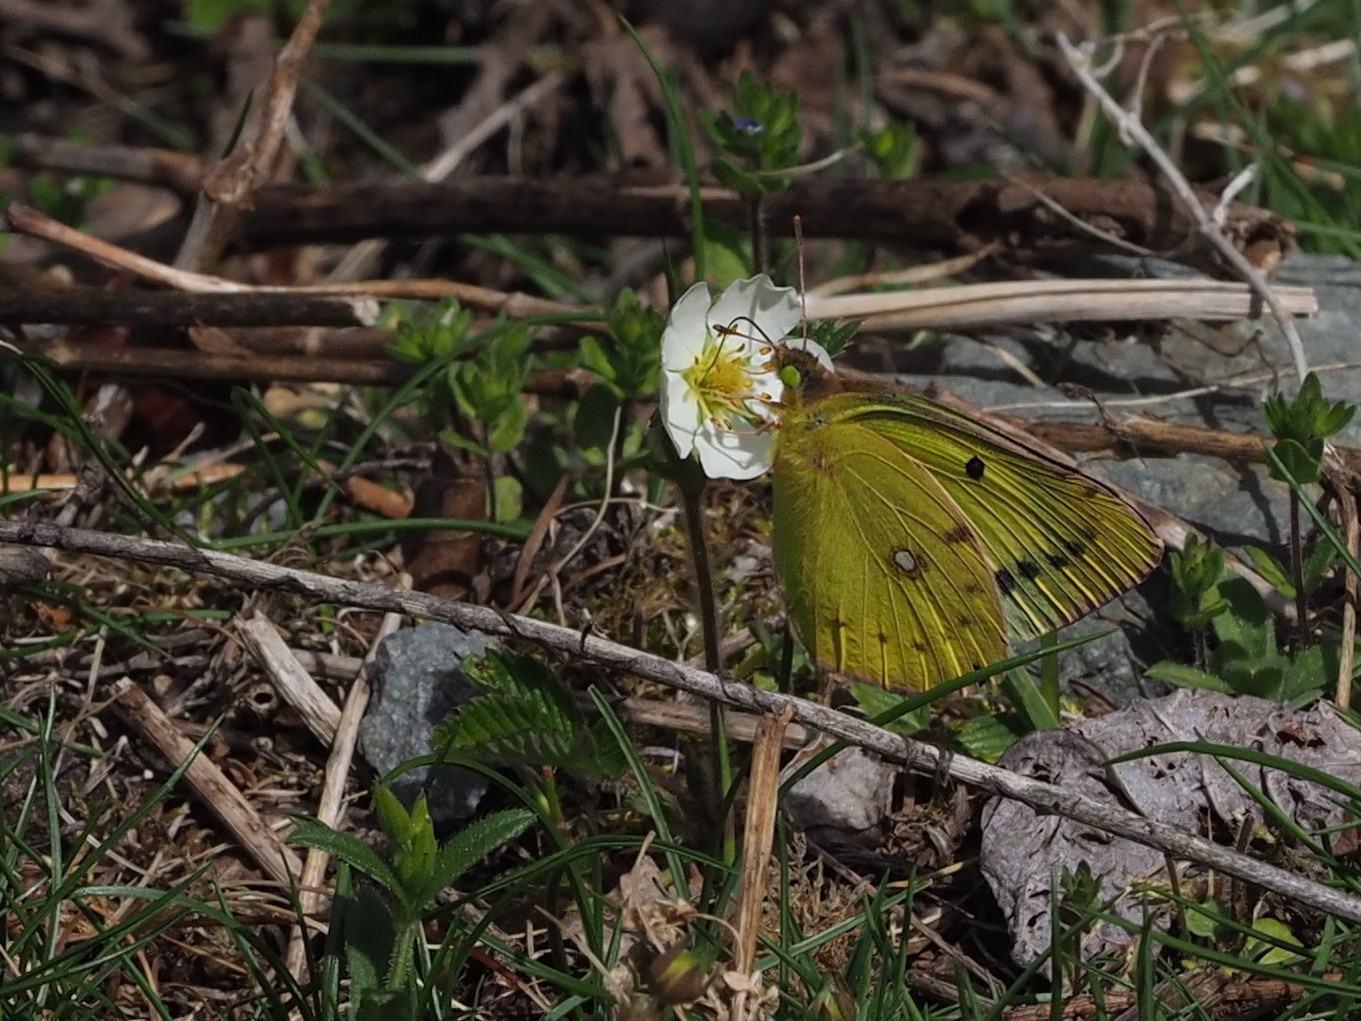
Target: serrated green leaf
985	738
596	359
346	848
369	936
1302	464
1320	562
477	840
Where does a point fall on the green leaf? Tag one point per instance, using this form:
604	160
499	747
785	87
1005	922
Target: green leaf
508	494
414	853
1267	950
892	149
369	936
877	702
387	1005
1320	562
985	737
347	848
1248	624
508	426
527	716
832	337
1197	571
477	840
595	358
1206	920
593	421
1301	428
1270	569
1025	696
1181	676
1303	464
1310	673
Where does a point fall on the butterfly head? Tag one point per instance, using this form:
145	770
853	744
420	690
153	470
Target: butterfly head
805	376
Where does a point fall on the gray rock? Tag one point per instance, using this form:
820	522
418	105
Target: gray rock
850	793
418	681
1023	853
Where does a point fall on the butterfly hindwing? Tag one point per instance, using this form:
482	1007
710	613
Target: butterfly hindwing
885	575
1059	542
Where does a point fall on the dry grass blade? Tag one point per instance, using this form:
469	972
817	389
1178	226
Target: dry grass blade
972	305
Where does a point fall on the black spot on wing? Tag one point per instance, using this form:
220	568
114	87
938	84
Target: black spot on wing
961	533
1006	581
1075	549
974	467
1028	569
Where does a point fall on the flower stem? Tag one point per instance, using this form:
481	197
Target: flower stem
692	501
760	238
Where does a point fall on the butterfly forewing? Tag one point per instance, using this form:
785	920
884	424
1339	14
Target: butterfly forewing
1059	542
884	574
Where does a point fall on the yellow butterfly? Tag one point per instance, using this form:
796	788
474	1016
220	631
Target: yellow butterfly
911	540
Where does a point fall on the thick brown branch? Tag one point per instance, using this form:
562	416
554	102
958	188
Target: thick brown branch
91	306
953	215
176	363
178	171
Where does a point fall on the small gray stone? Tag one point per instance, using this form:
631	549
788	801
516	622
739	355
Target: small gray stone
418	681
849	793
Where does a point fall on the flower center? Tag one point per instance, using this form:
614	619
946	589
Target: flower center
721	380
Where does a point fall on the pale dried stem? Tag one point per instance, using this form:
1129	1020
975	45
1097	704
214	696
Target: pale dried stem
318	713
333	789
1024	301
763	791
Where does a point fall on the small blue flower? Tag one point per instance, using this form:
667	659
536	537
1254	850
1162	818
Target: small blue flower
749	125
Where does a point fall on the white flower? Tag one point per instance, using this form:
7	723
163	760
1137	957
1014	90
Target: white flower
719	380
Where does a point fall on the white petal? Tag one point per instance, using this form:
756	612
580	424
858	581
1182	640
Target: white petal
773	310
726	454
767	383
680	412
686	329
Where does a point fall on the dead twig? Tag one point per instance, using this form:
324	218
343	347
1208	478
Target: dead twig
319	714
229	186
337	774
209	784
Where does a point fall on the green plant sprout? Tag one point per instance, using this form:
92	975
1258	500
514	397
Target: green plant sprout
627	369
1302	428
758	139
891	151
479	396
1246	656
758	143
381	926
